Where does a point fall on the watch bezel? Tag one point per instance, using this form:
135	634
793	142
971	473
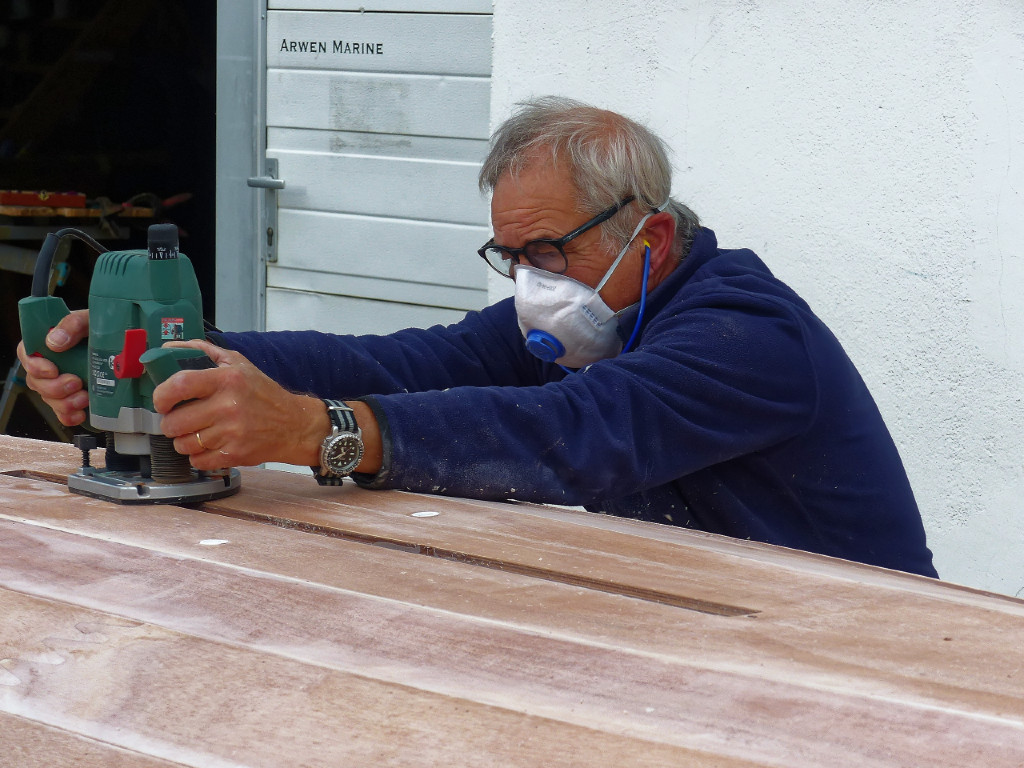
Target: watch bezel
328	457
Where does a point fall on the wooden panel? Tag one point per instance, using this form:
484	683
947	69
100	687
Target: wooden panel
426	105
137	685
392	249
291	310
409	189
667	688
198	617
427	43
465	632
29	744
350	510
788	643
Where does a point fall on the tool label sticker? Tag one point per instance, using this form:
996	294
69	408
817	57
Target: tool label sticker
101	372
172	329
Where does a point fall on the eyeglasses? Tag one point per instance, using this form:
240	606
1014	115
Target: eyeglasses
543	254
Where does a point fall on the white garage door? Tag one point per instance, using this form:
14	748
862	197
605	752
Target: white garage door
378	123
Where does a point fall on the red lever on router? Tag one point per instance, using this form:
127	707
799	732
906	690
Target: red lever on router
126	364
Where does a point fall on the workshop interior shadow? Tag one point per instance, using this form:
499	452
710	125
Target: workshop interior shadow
114	99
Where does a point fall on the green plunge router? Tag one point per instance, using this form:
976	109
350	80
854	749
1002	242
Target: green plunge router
138	300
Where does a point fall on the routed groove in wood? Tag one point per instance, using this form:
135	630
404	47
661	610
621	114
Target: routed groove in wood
601	585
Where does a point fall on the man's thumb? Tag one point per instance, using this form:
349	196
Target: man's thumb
58	339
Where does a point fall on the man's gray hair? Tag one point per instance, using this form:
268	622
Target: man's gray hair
609	158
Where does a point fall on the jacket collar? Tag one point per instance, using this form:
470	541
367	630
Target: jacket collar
704	248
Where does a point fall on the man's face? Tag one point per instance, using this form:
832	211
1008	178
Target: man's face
540	203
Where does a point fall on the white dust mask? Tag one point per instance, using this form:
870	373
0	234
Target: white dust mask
565	321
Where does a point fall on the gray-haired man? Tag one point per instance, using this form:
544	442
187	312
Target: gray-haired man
639	370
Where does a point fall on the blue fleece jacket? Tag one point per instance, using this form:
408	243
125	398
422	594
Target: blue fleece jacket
737	412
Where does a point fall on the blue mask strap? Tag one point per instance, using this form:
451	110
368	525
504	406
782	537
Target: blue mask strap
640	313
643	299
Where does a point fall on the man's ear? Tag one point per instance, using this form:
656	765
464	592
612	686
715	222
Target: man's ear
659	233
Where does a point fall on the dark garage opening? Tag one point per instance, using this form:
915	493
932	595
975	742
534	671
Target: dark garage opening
113	99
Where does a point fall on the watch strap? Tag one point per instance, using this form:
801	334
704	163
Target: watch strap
323	479
343	419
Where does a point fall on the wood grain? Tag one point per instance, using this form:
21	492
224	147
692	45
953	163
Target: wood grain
30	744
513	634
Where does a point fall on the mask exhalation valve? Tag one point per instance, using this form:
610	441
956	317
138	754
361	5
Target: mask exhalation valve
543	345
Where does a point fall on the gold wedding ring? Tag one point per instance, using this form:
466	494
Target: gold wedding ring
200	441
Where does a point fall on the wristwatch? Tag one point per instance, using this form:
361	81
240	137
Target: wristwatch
342	450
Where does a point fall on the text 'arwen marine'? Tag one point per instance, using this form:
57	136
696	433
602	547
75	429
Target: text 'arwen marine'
335	46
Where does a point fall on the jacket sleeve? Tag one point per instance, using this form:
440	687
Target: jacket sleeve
709	382
483	349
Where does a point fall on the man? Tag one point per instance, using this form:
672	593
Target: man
639	371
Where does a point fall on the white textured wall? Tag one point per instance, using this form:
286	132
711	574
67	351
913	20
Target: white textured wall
873	155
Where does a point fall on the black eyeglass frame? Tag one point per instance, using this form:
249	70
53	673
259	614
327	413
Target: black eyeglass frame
515	254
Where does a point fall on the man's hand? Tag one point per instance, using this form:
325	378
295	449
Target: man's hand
63	392
235	415
241	416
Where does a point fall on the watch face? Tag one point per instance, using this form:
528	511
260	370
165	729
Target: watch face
343	454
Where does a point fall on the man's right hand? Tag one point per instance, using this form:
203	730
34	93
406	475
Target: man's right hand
64	392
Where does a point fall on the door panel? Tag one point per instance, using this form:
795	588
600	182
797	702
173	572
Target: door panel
296	310
432	43
418	105
348	245
379	122
411	188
